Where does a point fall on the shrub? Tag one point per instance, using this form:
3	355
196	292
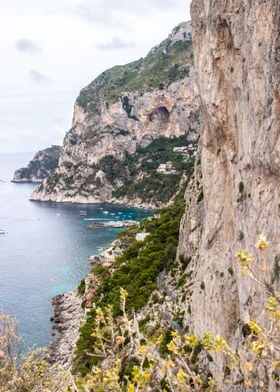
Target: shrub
136	271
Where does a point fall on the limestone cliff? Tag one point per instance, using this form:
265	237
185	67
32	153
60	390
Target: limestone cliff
117	116
234	197
43	163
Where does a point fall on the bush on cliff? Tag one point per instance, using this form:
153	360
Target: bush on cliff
136	271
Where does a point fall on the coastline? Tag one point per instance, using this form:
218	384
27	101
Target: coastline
69	316
26	181
67	319
124	203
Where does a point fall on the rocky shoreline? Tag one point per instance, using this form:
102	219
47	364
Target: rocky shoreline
69	315
137	203
26	181
67	320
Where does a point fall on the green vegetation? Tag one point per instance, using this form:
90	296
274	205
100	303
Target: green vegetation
152	186
43	162
242	194
81	287
136	271
160	188
168	359
166	339
163	65
140	264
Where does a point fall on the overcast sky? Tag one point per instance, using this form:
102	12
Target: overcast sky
51	49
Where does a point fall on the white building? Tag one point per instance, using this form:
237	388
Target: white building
141	236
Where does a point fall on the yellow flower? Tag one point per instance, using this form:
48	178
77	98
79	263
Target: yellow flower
123	293
172	347
244	258
262	243
181	376
130	388
255	328
143	351
191	340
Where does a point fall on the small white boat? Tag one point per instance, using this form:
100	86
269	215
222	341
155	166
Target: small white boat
105	212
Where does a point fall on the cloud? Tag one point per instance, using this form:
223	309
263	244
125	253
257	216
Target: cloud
37	77
27	46
119	13
116	43
95	14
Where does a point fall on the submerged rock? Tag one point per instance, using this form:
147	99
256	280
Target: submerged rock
116	224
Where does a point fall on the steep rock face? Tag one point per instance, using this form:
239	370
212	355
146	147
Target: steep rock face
124	109
234	197
43	163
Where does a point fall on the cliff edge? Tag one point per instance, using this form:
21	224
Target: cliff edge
122	122
40	167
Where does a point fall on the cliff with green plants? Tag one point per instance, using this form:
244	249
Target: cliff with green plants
40	167
224	277
189	299
126	124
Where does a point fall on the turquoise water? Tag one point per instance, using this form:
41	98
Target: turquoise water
45	249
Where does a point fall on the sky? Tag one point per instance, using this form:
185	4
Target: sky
51	49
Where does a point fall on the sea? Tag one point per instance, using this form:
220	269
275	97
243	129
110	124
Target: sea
45	249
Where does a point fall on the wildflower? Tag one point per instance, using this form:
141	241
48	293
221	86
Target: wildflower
244	258
130	388
248	367
262	243
143	351
182	377
248	383
120	340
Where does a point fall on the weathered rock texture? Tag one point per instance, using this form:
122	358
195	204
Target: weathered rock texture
126	108
67	320
43	163
237	53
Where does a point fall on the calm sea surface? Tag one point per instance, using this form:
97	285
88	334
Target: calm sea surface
45	249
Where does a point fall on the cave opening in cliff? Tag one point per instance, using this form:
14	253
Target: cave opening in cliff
160	114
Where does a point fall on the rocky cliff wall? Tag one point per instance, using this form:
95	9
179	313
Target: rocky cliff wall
234	197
